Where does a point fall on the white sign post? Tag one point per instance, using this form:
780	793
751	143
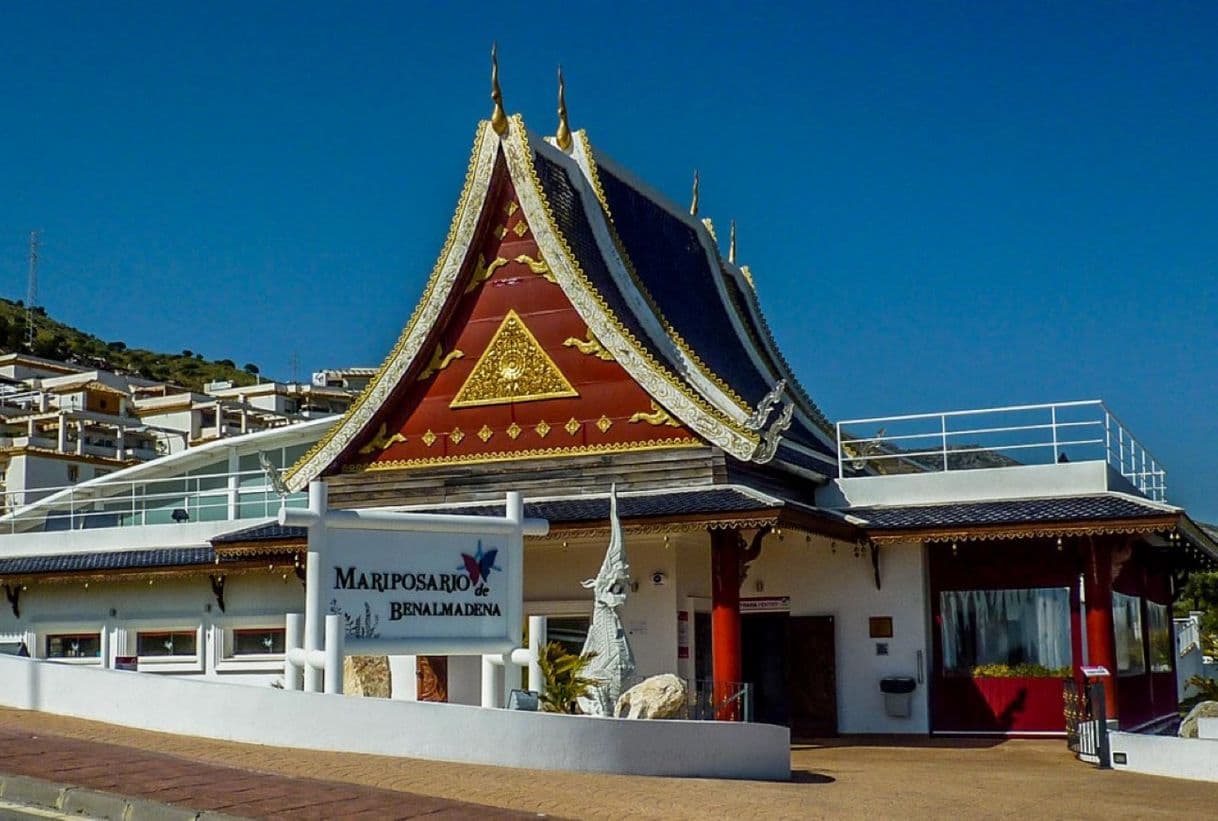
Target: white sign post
395	583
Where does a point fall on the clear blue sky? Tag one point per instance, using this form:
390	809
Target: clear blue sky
945	204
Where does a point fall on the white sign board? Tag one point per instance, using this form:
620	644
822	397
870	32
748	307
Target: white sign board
406	586
413	583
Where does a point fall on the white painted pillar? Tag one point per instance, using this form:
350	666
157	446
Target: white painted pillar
334	654
107	659
219	420
80	438
538	636
213	646
404	677
490	684
234	484
30	428
293	636
121	443
63	433
313	623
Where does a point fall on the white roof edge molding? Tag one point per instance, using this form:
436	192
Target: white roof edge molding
629	284
435	295
693	410
587	160
167	466
667	389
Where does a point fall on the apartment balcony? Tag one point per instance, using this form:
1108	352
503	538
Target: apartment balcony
1019	451
181	502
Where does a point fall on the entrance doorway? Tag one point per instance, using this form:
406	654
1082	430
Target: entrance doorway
765	651
813	677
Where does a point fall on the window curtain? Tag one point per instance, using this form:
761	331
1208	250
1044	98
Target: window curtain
1127	624
1029	626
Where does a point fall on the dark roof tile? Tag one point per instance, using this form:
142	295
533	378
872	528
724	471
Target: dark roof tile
1009	511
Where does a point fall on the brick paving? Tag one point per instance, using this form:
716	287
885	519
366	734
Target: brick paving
168	779
869	778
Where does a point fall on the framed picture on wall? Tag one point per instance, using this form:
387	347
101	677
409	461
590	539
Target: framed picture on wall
880	627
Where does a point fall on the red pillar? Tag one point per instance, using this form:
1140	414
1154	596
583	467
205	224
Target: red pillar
1101	635
727	665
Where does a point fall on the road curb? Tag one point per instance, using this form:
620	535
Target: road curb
72	800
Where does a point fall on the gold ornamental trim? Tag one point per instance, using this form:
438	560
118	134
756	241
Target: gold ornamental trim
521	455
439	361
591	346
682	345
461	229
657	416
381	441
655	378
513	368
1007	532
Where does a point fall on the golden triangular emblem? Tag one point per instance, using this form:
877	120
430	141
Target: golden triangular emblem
513	368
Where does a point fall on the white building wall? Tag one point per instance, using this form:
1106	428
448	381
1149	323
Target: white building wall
552	576
119	611
827	580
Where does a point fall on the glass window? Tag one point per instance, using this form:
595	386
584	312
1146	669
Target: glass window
258	642
1159	625
74	646
569	631
1001	633
1127	624
176	643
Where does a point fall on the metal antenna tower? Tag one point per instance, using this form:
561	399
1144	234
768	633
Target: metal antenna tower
295	365
31	295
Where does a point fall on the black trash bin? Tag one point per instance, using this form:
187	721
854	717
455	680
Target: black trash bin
898	695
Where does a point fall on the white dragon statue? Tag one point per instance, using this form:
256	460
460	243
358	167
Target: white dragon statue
613	665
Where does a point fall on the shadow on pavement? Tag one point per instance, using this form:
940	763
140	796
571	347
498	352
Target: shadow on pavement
809	777
914	741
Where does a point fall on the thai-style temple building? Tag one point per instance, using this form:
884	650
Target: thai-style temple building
579	332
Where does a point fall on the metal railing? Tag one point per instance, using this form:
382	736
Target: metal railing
1188	634
729	701
999	437
178	499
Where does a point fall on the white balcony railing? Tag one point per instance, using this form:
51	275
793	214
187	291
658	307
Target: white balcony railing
998	437
106	503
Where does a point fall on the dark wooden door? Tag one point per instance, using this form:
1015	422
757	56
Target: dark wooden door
813	677
764	643
432	675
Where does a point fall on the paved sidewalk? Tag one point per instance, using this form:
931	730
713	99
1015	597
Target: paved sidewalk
201	787
869	778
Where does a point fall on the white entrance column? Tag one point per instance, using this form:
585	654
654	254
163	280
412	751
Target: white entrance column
313	627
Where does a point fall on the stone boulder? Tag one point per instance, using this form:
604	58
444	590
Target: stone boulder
366	676
1205	709
660	696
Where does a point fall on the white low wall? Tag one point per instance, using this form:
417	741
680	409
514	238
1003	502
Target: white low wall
446	732
1192	758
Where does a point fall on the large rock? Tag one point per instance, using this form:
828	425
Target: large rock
1205	709
366	676
660	696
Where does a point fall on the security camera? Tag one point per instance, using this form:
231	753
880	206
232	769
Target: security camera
659	578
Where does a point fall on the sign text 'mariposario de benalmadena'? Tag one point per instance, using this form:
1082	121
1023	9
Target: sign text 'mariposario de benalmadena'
350	578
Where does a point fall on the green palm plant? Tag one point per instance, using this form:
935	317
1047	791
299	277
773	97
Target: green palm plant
562	673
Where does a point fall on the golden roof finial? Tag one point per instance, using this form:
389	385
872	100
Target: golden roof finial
693	205
731	244
563	135
499	120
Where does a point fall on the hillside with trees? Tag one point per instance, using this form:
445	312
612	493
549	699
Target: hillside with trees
55	340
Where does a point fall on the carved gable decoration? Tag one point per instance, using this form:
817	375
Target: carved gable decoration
513	368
